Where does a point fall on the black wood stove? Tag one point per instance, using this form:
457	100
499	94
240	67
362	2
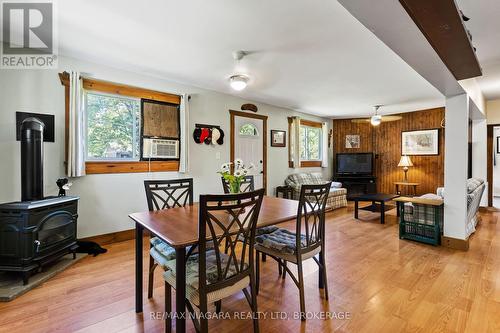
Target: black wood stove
38	229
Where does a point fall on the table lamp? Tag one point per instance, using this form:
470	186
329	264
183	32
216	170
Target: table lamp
405	162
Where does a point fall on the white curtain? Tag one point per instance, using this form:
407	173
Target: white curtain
324	146
184	144
294	142
75	164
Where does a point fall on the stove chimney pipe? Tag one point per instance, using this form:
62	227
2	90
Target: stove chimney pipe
32	159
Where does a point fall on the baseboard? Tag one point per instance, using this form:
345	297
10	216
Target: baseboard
454	243
113	237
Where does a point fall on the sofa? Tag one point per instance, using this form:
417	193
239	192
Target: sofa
337	197
421	214
475	190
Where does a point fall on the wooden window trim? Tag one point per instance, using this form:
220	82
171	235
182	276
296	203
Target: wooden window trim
310	123
105	167
92	167
310	164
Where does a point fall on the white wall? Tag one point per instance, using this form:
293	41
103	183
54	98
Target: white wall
455	166
493	111
106	200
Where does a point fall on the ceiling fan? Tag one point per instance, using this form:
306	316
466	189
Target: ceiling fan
376	119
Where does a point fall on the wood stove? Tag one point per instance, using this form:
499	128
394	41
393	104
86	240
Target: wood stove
36	230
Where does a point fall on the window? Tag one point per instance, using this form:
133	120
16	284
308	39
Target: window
113	127
310	143
249	130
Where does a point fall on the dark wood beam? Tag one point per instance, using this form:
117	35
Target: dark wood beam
442	25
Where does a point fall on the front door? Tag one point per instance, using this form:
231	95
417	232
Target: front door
248	144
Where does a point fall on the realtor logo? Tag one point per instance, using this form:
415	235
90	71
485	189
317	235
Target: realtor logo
28	35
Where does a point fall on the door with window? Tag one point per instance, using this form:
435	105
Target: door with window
249	140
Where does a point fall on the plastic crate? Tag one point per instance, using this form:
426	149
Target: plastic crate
429	231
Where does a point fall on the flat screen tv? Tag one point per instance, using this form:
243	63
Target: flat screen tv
355	164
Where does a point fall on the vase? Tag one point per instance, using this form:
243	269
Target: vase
234	187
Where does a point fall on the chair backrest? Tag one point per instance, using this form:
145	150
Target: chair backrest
247	185
231	219
164	194
311	217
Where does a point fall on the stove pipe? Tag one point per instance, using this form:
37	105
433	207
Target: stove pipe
31	159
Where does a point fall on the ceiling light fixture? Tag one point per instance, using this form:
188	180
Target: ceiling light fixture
376	119
238	81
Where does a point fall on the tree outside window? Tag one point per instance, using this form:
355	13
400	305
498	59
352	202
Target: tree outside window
112	127
310	143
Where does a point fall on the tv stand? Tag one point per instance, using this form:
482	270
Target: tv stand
357	184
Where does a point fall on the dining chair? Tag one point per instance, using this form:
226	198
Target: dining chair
165	194
247	185
306	242
211	274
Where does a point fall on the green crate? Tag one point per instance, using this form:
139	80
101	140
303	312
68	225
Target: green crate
421	232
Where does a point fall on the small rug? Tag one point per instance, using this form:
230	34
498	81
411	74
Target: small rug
11	283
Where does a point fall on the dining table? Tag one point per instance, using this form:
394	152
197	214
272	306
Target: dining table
178	227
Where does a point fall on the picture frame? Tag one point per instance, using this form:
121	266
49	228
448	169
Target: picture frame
420	142
352	141
278	138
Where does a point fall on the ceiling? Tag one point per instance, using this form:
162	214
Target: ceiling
311	56
484	25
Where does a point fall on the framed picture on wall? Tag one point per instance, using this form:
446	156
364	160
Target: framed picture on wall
423	142
278	138
352	141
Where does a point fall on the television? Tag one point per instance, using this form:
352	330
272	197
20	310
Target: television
355	164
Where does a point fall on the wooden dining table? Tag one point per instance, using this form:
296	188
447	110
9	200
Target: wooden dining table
178	227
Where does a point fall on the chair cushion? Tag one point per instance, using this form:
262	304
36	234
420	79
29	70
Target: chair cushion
163	248
211	268
261	231
193	295
158	258
281	240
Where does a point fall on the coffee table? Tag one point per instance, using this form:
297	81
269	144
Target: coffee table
378	201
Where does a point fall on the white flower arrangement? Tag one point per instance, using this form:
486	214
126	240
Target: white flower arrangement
239	173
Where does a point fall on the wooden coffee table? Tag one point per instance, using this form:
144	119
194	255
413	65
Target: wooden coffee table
378	201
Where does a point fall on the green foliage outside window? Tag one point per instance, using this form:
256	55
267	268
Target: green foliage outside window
112	127
310	143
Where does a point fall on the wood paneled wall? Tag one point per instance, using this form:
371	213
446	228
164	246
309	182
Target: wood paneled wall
385	142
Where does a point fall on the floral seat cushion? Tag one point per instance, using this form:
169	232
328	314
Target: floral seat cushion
281	240
212	276
163	248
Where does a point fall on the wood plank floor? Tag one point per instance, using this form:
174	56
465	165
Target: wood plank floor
381	283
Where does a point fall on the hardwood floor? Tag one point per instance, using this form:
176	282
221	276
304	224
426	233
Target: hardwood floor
381	283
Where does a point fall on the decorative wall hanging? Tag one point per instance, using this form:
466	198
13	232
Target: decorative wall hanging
249	107
278	138
208	134
352	141
423	142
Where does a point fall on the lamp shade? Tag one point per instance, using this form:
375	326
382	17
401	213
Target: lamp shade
405	161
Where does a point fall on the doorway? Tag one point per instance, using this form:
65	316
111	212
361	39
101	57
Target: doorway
493	167
249	142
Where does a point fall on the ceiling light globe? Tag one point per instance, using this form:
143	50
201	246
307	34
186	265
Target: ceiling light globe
238	82
376	120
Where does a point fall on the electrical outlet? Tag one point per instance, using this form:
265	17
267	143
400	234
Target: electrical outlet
217	155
